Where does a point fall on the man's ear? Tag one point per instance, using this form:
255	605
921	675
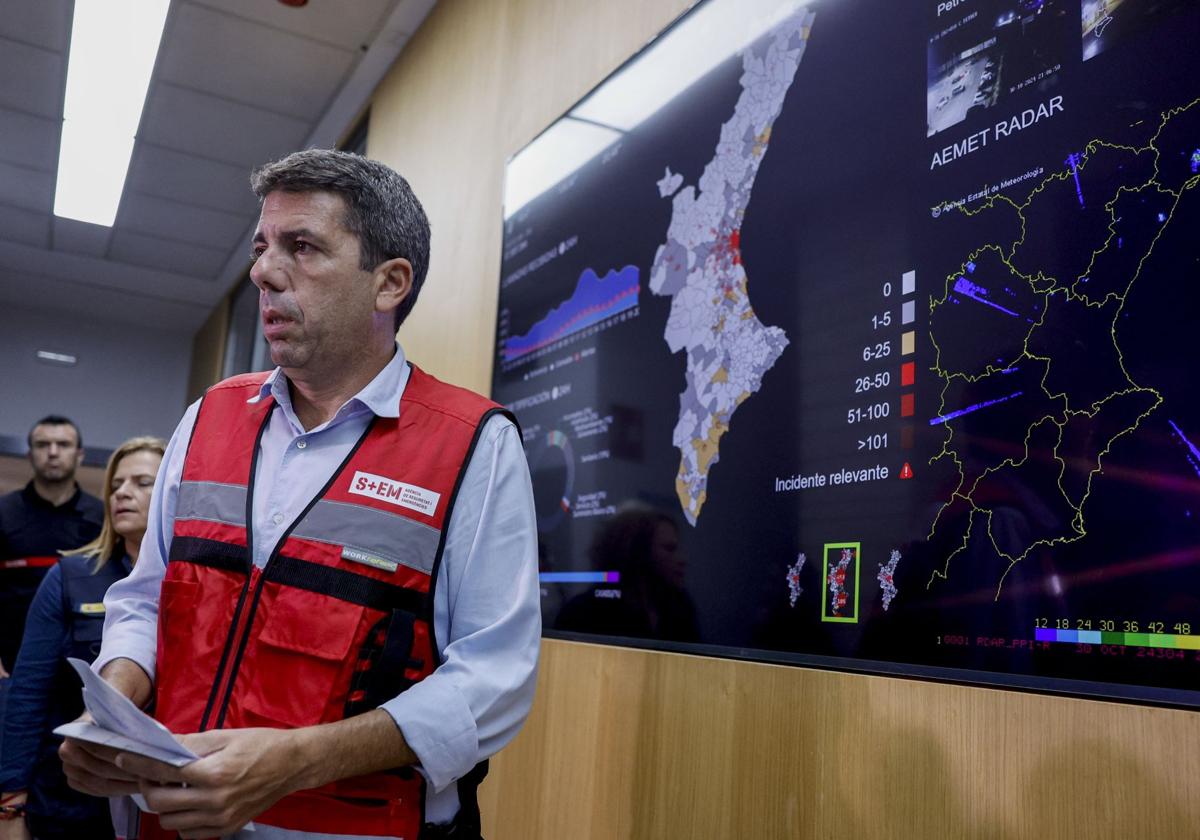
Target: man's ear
393	283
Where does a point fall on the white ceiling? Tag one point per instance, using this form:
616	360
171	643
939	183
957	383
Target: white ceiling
237	83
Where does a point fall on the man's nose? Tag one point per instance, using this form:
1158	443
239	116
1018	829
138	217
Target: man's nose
265	273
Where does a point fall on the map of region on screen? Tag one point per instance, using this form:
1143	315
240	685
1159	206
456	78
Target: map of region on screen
861	335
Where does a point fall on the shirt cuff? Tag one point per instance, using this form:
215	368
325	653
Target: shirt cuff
439	727
110	652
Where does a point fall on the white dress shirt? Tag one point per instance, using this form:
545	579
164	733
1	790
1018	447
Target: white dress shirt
486	610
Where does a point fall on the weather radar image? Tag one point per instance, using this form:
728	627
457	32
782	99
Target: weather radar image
861	335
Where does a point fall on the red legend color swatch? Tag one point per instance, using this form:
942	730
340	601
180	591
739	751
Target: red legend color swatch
907	405
908	373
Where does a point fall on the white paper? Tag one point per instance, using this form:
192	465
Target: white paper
122	725
113	711
107	738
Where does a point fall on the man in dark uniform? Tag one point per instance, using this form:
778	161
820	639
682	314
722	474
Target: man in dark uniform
50	515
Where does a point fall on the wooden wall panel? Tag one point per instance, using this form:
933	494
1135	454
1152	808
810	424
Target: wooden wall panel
208	352
15	473
637	744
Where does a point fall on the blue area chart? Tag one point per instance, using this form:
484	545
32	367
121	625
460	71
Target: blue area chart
594	300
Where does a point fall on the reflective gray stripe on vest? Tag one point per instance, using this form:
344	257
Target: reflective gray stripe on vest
390	536
372	532
212	502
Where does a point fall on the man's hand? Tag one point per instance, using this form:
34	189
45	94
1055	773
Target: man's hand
4	672
92	769
241	773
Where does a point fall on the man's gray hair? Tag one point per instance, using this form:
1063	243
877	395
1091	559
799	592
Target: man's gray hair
381	209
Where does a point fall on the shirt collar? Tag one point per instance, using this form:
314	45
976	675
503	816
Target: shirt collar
380	396
34	497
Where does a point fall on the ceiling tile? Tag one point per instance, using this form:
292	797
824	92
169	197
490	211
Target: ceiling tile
33	79
80	237
189	121
345	25
238	83
97	304
16	258
25	226
192	180
46	23
146	214
29	188
269	68
29	141
176	257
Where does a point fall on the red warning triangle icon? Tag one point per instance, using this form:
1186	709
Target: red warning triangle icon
906	471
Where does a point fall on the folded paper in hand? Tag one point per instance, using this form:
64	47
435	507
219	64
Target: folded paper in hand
123	726
120	724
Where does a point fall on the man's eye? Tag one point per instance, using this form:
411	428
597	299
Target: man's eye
302	247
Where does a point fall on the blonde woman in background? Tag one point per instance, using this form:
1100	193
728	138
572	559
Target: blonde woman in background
66	619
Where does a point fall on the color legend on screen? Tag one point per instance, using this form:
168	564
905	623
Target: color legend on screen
908	369
1101	637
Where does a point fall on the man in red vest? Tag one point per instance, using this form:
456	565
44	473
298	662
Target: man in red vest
337	597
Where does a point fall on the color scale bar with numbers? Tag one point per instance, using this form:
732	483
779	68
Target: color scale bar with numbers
1099	637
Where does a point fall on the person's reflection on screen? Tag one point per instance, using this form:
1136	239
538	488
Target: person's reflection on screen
649	601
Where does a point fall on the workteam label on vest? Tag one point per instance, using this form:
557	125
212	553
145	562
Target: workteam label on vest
395	492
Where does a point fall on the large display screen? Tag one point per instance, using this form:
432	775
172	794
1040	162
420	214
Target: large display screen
862	334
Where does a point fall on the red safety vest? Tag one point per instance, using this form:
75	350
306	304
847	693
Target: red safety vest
340	619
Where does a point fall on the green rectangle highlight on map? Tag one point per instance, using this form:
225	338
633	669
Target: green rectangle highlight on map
826	612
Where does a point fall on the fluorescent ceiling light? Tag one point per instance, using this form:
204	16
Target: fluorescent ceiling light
56	358
113	47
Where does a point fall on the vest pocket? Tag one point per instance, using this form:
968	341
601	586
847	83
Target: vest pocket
86	631
297	672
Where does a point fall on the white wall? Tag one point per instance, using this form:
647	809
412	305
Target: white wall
128	380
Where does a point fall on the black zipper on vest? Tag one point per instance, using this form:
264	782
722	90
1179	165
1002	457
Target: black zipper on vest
212	697
262	578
